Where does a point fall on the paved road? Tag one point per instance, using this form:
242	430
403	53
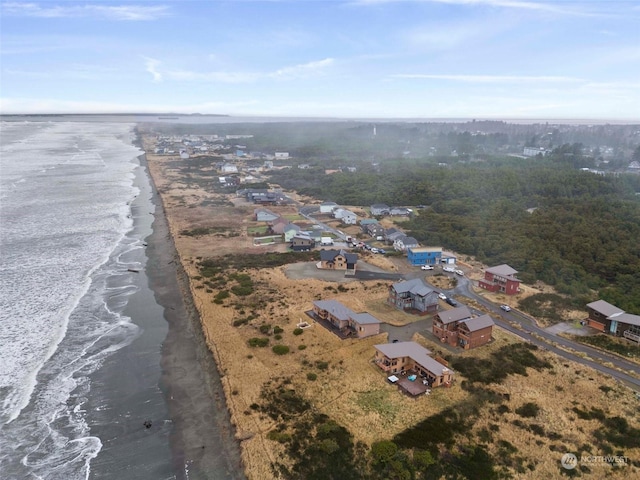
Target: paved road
506	321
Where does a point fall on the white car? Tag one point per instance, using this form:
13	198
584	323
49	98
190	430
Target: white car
426	267
448	269
460	272
506	308
442	296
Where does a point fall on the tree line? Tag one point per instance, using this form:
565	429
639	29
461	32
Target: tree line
575	230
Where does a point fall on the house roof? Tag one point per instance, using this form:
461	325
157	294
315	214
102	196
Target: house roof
503	270
416	352
329	255
478	323
426	249
415	286
408	241
364	318
627	318
280	220
367	221
303	236
380	206
454	315
335	308
605	308
291	226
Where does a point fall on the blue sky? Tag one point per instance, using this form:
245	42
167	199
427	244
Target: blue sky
508	59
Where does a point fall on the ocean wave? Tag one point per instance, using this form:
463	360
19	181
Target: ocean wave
64	285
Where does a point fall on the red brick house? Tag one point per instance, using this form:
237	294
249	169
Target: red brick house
457	328
500	279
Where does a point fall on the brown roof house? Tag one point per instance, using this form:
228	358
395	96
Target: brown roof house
338	260
346	321
457	327
413	295
500	279
610	319
416	369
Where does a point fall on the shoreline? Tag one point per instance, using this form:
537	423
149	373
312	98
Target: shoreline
157	404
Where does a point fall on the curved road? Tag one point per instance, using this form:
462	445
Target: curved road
530	328
528	324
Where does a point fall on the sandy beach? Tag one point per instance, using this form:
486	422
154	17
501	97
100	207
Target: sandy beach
157	405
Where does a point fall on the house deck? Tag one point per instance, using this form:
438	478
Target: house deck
342	334
417	387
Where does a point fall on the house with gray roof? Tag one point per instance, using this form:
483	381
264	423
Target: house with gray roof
409	359
413	296
346	321
403	243
264	215
338	260
610	319
290	231
378	209
501	278
301	242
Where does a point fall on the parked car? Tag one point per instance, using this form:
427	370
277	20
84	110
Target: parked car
451	302
442	296
460	272
426	267
374	250
448	269
382	251
506	308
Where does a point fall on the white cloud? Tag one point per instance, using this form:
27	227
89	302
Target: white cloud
121	12
152	67
572	8
491	78
306	70
303	70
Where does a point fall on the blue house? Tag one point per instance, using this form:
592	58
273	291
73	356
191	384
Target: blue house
424	255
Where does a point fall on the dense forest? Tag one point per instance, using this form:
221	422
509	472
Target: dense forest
572	229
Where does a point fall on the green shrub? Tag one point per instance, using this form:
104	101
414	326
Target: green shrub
298	331
265	329
240	321
278	337
258	342
279	437
302	347
222	295
528	410
322	365
277	330
311	376
280	349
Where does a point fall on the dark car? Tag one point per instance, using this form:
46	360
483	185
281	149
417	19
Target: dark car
451	302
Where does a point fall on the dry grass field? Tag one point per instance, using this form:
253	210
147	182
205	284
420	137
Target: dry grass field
338	376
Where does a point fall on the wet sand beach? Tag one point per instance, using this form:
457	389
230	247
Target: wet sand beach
157	404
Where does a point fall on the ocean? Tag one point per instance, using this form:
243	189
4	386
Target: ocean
66	192
104	371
